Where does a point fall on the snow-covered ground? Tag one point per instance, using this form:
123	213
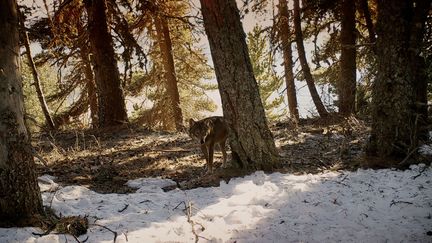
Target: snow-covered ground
362	206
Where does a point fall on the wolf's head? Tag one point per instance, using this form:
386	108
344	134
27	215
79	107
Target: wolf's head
197	130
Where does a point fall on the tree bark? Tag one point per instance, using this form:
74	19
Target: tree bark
36	80
288	62
347	75
251	141
165	46
112	109
364	7
400	83
303	62
20	198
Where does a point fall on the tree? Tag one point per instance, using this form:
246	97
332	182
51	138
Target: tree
284	33
112	109
36	81
268	81
165	46
21	199
347	78
190	67
251	141
399	91
303	62
364	9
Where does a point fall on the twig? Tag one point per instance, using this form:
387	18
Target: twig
344	177
408	156
179	205
76	238
49	230
112	231
189	214
123	209
393	202
419	174
41	159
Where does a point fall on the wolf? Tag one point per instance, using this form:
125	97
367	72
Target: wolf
208	132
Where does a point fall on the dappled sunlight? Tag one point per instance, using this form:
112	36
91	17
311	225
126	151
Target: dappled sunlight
366	205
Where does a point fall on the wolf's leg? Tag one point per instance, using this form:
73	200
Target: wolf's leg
224	153
210	157
205	152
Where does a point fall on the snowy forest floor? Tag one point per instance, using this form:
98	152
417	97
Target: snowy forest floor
320	195
104	163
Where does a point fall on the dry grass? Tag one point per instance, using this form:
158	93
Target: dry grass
106	161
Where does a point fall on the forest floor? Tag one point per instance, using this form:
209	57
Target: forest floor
105	161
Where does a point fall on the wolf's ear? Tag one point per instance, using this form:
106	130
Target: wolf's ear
191	122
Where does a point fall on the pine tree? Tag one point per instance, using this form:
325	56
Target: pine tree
251	141
347	78
112	109
399	91
303	61
268	81
21	200
285	33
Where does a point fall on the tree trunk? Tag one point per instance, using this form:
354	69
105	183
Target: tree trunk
20	198
165	46
303	62
112	109
347	75
364	7
39	91
251	141
401	78
288	62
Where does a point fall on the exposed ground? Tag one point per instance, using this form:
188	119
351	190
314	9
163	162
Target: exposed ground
106	161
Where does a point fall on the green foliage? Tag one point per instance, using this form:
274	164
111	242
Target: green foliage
33	111
268	81
191	69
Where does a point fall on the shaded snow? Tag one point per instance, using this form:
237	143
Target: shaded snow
362	206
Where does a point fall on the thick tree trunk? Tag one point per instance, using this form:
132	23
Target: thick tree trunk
347	76
165	46
251	141
20	198
288	62
112	109
400	80
303	62
36	80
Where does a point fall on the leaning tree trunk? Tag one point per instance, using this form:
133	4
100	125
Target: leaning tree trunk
303	62
400	82
347	75
284	33
165	46
39	91
20	198
112	109
364	8
251	141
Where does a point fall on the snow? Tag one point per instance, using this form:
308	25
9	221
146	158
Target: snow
361	206
426	149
